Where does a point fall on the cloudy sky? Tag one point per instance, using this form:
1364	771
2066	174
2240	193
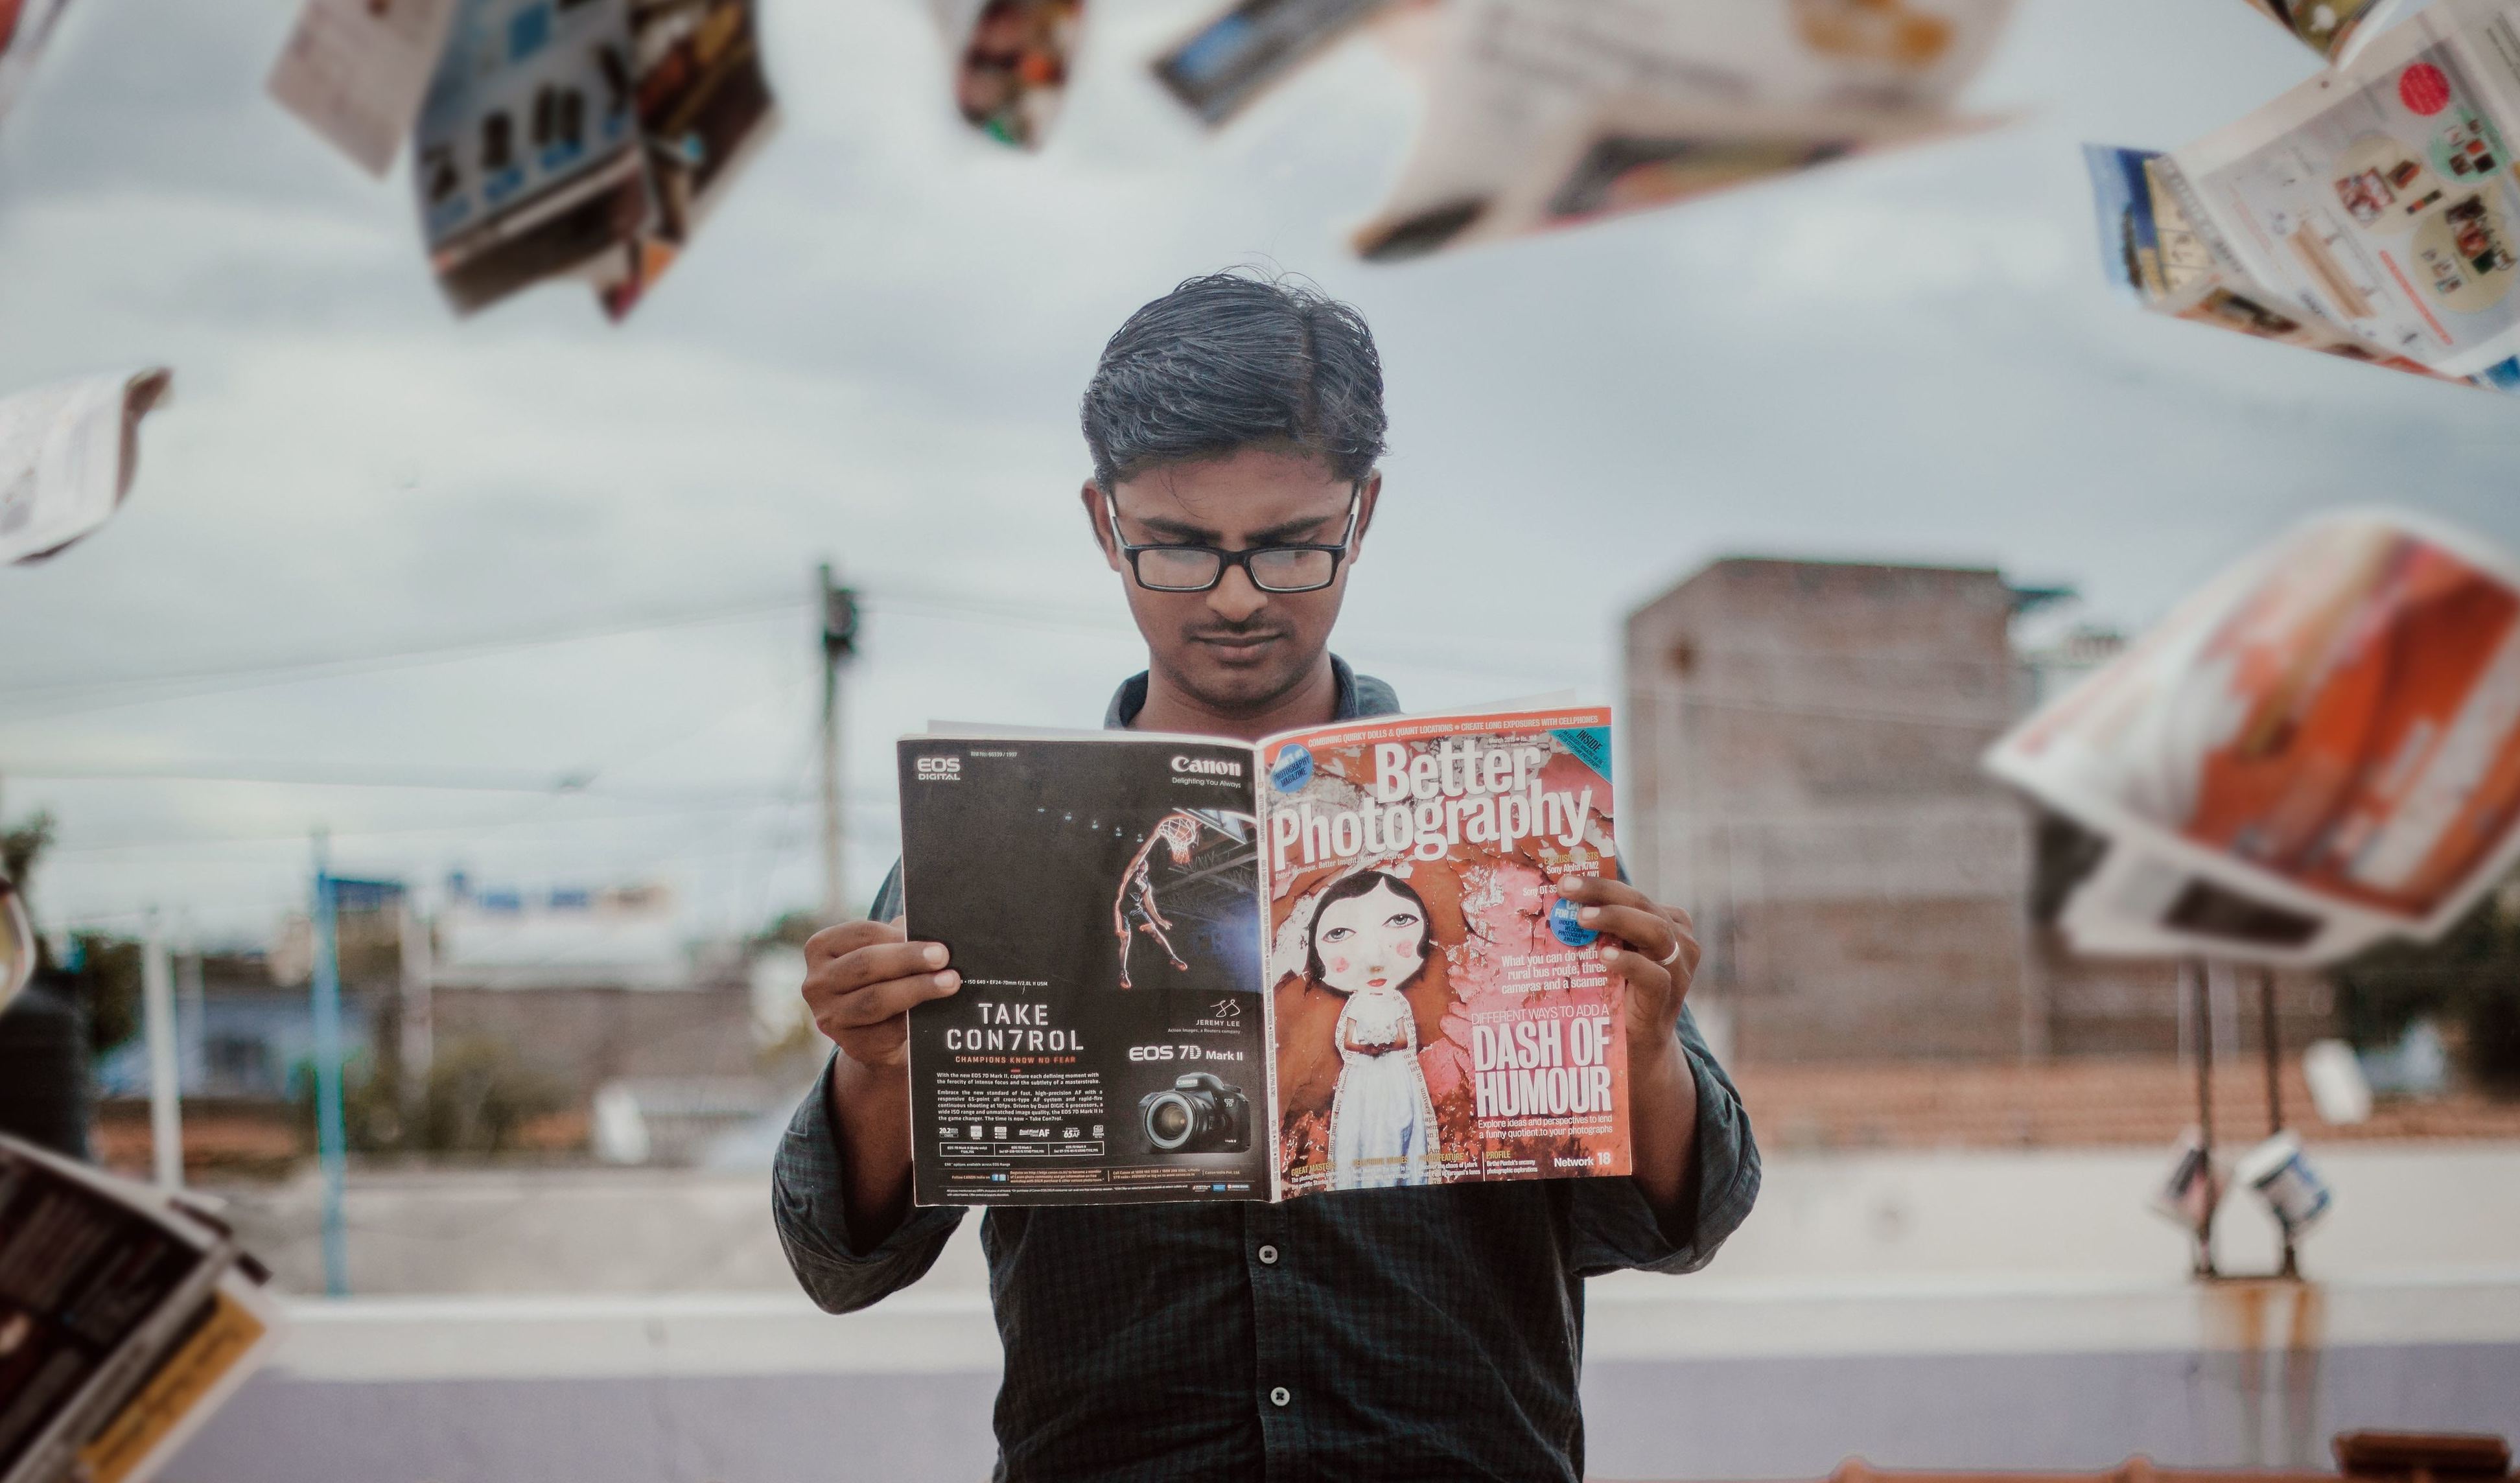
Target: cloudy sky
408	572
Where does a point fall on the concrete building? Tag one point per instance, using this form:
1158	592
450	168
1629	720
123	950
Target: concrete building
1802	743
588	985
578	987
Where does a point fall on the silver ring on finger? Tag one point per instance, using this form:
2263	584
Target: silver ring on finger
1672	957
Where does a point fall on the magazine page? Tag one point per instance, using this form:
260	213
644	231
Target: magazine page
705	113
2381	198
1219	68
2147	247
2319	748
1440	1017
102	1285
227	1337
1641	152
1009	62
354	71
1513	78
2139	904
2153	255
67	455
527	157
1101	899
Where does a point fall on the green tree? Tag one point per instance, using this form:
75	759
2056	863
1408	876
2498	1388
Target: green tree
107	980
2469	979
19	849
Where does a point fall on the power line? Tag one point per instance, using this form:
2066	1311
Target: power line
780	804
76	696
254	674
312	774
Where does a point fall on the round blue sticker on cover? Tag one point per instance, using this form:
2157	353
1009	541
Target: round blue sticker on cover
1295	769
1562	920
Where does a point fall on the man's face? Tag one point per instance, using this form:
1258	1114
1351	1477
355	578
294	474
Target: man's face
1234	648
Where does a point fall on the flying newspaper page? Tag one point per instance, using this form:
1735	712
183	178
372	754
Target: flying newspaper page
1542	114
2154	256
2317	750
355	71
2380	199
67	455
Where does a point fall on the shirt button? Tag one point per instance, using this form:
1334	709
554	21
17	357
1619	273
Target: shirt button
1280	1396
1269	1258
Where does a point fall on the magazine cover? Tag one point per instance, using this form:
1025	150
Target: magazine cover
1101	898
1440	1017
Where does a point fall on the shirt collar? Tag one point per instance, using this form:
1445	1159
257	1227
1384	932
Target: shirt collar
1359	696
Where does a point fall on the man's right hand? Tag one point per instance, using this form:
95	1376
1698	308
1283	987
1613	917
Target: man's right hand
861	978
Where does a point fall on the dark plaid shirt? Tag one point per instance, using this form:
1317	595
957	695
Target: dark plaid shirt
1418	1333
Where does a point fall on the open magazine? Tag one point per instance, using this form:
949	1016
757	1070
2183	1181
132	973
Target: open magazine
2318	749
125	1320
1197	968
2369	212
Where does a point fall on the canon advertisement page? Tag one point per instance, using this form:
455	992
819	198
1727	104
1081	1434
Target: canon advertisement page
1101	899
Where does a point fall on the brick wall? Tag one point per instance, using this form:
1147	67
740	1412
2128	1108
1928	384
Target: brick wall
1801	745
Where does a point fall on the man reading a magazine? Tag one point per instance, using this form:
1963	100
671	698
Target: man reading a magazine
1421	1332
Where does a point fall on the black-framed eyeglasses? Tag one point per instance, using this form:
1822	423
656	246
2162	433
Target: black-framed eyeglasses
1271	569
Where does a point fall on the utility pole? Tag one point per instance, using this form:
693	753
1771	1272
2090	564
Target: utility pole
419	1027
838	607
158	1028
332	1139
192	1009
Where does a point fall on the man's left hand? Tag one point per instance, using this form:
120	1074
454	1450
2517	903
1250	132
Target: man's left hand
1646	934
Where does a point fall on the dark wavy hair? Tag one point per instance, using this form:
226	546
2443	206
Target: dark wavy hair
1363	884
1231	361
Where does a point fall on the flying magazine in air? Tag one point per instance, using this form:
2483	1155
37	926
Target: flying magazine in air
1195	969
